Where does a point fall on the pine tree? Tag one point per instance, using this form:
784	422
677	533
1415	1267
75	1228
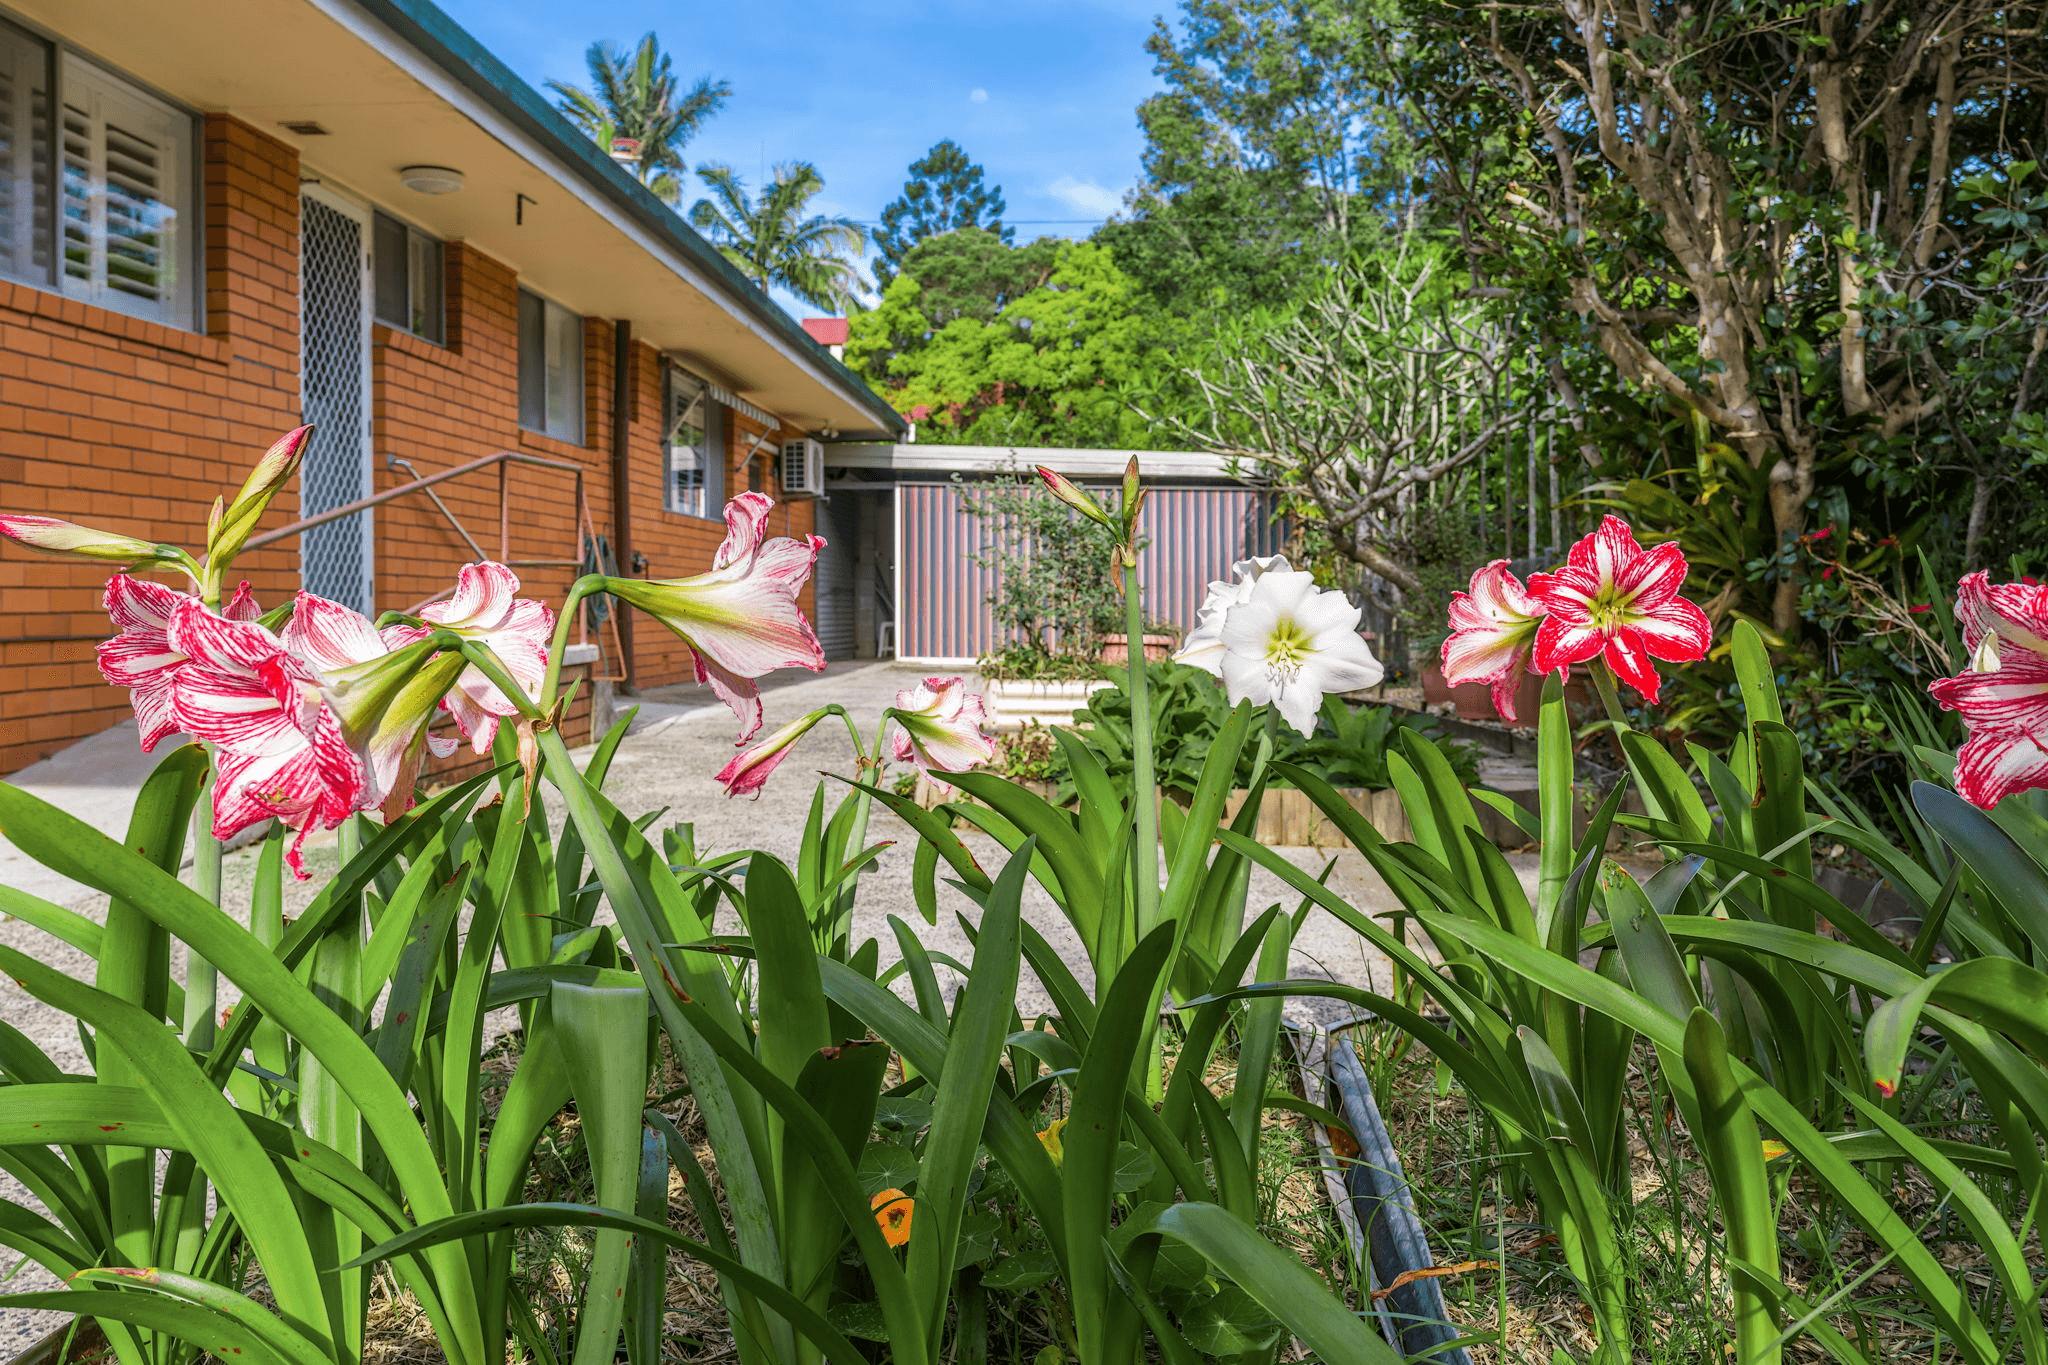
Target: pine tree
944	192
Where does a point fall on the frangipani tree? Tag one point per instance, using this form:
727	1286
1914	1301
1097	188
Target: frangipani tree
1380	386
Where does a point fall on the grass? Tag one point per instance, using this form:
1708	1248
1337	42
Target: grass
1475	1208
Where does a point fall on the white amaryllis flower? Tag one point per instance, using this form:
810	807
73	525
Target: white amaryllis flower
1274	637
1204	646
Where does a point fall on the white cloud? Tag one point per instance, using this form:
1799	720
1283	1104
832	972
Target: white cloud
1085	196
979	96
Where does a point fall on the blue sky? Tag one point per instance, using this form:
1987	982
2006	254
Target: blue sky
1043	93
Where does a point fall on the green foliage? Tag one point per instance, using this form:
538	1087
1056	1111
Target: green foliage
1046	369
943	195
1278	145
637	96
772	242
1350	747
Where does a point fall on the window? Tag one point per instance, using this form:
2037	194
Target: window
696	448
550	368
410	295
122	213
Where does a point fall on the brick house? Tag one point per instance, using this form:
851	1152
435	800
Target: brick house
346	211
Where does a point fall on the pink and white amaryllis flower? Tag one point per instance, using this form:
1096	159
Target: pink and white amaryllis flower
382	687
141	658
1615	598
938	727
486	606
1493	635
2003	695
1283	641
741	619
282	754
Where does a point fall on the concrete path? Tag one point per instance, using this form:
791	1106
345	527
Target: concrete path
681	740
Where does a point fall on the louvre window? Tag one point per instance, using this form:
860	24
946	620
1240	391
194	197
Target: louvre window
410	295
550	368
24	157
696	448
121	218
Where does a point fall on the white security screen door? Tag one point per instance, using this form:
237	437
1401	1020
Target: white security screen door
334	390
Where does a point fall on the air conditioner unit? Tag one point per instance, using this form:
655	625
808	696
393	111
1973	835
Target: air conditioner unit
803	468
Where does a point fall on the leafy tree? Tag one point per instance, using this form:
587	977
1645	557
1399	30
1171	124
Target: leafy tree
1277	146
966	273
771	240
1051	368
944	193
1800	230
637	96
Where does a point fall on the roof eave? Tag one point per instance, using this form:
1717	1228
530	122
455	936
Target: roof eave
449	46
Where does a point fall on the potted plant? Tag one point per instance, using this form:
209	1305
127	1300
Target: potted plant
1028	684
1160	639
1052	603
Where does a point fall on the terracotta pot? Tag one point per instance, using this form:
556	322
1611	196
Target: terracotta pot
1474	701
1116	649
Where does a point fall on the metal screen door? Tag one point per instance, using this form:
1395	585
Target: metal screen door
334	390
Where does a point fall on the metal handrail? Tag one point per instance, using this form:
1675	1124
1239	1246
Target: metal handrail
502	459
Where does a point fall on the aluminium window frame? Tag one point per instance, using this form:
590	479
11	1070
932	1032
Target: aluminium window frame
189	314
412	231
549	302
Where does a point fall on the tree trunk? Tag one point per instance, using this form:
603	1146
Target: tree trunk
1980	508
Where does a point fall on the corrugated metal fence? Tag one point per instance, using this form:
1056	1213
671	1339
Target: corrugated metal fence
1192	536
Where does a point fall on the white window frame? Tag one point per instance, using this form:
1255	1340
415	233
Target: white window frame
709	452
77	82
554	316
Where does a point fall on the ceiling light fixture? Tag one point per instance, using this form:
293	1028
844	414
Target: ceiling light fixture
430	179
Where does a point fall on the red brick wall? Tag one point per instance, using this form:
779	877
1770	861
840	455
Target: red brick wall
137	427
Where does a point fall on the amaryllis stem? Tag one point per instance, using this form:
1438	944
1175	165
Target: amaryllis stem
202	978
1610	697
578	590
1144	782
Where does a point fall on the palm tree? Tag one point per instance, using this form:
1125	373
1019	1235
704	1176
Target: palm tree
636	97
770	240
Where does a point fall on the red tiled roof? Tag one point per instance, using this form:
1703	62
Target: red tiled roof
826	331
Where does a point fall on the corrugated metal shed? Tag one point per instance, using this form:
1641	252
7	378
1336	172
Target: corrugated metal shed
1192	534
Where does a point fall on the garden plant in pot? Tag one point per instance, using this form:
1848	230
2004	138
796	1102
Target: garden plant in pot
1053	608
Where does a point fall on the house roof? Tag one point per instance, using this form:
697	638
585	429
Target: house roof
937	460
396	83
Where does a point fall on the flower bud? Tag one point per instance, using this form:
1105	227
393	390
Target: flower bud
1070	493
227	533
67	540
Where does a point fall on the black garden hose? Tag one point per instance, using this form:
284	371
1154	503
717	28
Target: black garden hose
1385	1212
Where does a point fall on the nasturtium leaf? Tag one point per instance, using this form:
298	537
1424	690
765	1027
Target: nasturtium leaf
1134	1168
886	1166
863	1320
